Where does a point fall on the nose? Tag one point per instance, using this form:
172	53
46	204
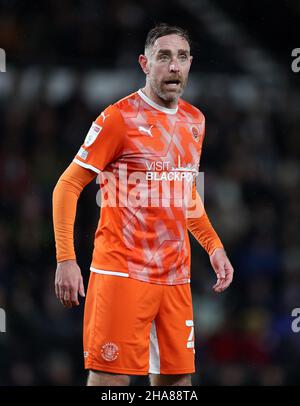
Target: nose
173	66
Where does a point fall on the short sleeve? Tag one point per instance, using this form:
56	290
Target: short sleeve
104	141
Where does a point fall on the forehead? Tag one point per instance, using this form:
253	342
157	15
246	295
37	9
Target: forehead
172	42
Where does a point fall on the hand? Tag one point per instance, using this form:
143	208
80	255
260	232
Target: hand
223	269
68	282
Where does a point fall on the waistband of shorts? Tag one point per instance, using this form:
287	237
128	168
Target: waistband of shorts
135	277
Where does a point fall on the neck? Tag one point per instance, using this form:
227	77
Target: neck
154	97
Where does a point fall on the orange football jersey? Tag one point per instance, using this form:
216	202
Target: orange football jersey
147	157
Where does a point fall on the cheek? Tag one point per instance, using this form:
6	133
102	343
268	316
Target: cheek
187	69
185	72
157	74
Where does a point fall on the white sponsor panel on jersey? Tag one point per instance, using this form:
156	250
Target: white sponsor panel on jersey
83	153
93	133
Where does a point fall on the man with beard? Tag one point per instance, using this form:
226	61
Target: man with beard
146	148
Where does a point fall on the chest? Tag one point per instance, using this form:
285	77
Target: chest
163	142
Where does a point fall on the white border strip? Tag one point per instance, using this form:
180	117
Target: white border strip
154	358
155	105
103	272
87	166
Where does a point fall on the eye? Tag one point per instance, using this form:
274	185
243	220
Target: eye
163	58
183	57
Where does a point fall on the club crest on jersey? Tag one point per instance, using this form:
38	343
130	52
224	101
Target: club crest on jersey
195	133
93	133
109	352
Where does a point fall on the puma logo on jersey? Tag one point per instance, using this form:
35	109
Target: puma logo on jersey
146	130
104	116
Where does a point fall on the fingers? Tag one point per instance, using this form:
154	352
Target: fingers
219	286
56	290
222	284
67	295
66	299
74	297
81	288
68	283
64	296
224	277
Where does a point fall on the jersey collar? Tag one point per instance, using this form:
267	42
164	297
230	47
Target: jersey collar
155	105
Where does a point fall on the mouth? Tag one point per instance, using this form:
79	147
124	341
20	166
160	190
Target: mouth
172	82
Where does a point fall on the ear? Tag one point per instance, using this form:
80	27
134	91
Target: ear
143	61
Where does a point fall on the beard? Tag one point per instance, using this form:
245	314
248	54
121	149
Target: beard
161	89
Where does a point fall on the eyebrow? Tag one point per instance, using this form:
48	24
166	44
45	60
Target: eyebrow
168	51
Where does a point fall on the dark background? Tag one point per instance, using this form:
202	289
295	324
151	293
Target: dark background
66	61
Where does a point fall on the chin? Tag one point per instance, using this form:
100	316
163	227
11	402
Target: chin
174	96
170	96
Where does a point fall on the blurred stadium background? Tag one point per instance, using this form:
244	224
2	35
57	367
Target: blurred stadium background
68	59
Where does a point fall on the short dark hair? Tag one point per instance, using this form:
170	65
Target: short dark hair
162	29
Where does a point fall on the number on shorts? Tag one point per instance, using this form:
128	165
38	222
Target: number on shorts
190	342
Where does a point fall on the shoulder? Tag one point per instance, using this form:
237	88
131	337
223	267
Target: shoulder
116	114
129	105
119	108
192	110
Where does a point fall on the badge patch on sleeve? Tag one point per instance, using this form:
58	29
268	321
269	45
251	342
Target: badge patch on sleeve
82	153
93	133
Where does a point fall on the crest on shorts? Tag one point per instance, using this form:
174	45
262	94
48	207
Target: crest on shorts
109	351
